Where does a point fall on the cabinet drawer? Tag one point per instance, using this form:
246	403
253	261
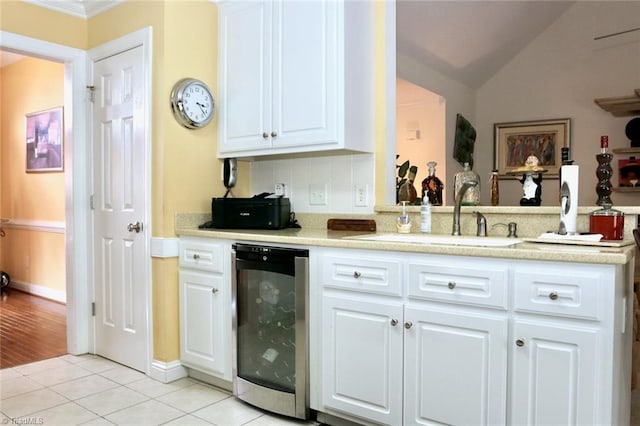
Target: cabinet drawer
565	292
202	255
369	274
469	282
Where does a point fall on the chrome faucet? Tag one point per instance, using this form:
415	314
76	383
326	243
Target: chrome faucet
456	209
481	221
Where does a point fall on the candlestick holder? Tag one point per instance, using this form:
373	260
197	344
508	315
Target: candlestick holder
604	173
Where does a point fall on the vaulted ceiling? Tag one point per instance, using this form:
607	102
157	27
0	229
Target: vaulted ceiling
470	41
466	40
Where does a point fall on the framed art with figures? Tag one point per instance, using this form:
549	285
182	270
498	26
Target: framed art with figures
514	142
45	141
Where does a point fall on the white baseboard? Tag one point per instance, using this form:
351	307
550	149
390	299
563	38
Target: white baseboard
39	290
167	372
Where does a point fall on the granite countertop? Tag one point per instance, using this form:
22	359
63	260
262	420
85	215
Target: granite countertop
339	239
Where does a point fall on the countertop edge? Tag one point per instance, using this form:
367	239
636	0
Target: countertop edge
326	238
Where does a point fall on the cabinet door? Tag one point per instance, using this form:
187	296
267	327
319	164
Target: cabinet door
245	59
205	323
362	358
455	367
555	374
305	72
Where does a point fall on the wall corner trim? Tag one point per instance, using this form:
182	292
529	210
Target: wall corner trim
166	372
164	247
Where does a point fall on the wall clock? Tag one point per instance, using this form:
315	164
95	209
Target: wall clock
192	103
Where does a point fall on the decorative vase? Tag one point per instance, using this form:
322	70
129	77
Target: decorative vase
472	196
407	191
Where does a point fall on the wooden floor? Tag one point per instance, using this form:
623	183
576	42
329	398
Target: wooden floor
31	328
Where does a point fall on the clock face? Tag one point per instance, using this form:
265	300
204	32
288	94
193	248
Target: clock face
192	103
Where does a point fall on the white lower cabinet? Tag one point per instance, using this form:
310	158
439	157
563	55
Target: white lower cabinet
205	303
555	374
454	367
435	339
362	354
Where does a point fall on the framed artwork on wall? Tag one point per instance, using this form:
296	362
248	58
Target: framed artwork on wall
45	141
515	142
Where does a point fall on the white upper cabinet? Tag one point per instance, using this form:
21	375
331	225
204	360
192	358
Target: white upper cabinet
295	76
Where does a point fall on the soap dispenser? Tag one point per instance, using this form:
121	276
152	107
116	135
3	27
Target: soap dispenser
425	215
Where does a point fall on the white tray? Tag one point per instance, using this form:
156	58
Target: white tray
601	243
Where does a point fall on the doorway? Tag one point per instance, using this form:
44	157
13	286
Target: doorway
78	214
420	130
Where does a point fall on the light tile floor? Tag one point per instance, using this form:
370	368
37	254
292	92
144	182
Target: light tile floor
90	390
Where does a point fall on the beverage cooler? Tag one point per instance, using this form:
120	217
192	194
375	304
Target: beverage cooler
270	331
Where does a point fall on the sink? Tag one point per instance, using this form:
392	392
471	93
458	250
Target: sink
459	240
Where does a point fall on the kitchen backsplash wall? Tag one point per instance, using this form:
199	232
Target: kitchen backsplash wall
327	184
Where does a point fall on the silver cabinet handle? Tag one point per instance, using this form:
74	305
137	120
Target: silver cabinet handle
214	290
356	274
196	256
408	325
520	342
274	134
394	322
451	285
553	295
135	227
265	135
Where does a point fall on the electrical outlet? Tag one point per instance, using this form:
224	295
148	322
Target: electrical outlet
318	194
280	189
360	194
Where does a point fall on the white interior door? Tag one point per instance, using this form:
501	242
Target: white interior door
120	178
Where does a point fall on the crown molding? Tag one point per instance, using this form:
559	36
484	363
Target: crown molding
79	8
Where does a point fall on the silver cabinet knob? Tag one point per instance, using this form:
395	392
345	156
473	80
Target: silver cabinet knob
520	342
265	135
394	322
196	256
553	295
274	134
408	325
214	290
451	285
135	227
356	274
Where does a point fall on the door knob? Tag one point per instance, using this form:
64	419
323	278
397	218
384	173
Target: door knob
135	227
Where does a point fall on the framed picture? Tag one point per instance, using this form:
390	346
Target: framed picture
515	142
44	141
628	173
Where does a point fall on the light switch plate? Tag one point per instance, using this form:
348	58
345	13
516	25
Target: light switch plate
318	194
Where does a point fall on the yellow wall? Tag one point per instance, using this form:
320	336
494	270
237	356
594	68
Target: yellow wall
28	20
380	77
29	256
185	171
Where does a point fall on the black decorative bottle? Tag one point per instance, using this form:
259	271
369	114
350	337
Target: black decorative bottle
604	173
432	186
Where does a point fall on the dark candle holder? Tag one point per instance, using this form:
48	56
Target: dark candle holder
604	173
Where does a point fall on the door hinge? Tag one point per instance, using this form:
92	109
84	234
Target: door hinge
91	90
93	309
91	206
